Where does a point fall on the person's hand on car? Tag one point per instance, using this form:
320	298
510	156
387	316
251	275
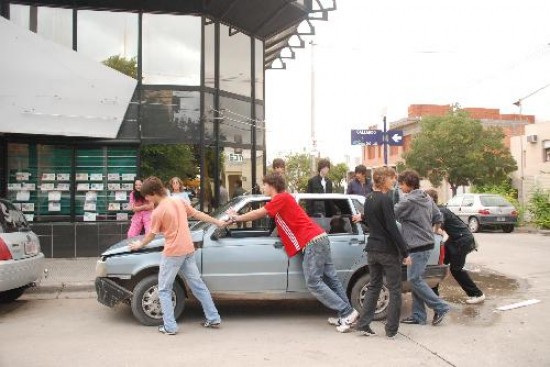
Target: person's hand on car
136	245
407	261
356	218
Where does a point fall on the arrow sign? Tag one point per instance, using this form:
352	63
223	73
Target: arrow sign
367	137
394	137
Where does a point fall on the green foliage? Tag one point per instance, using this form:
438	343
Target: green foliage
167	161
539	206
458	149
122	64
337	174
298	171
505	190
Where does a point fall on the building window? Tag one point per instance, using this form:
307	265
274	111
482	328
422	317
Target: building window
20	15
546	151
209	53
172	49
102	34
56	24
259	69
235	62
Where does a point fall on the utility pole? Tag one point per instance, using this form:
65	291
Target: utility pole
312	113
385	145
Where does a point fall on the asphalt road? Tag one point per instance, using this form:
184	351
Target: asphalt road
74	330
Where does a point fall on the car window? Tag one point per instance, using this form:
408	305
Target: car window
456	201
468	201
255	228
11	219
359	206
493	201
333	215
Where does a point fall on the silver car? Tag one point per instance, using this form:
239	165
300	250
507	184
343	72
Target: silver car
21	262
247	260
484	210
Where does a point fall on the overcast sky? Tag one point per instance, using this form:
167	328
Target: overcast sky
376	57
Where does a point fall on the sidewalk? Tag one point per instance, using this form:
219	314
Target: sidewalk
67	275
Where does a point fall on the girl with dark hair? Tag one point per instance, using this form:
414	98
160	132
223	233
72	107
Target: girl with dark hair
142	211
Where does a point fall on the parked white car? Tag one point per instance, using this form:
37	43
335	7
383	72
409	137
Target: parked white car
21	261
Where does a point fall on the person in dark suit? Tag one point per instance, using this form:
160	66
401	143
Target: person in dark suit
320	184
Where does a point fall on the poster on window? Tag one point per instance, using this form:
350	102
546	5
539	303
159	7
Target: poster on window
96	177
22	176
29	217
14	186
113	186
54	206
91	196
90	206
48	177
96	187
82	176
17	206
113	176
127	186
126	206
63	176
82	186
27	207
121	196
114	206
128	176
28	186
54	196
90	217
63	186
121	216
23	196
47	186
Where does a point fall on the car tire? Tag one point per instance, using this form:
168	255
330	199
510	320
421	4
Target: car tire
145	303
473	224
11	295
508	228
358	295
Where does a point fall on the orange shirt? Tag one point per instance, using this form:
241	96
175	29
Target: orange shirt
170	218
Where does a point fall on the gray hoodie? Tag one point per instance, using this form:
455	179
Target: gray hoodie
417	214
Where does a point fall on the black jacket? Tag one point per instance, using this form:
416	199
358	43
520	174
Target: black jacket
314	185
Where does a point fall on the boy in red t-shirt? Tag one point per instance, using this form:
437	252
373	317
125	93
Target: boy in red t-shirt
300	234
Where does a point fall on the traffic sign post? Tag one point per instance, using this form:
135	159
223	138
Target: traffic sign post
378	137
395	137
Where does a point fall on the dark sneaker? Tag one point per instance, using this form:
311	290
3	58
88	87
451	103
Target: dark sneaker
166	332
211	325
391	336
410	320
438	317
367	331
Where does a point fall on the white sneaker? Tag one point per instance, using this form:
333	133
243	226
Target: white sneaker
334	321
475	300
347	321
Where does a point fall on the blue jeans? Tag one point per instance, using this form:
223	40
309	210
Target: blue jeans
321	278
169	268
422	294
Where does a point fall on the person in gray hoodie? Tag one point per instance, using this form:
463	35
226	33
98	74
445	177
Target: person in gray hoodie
418	215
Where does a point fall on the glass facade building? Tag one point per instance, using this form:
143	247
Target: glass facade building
200	87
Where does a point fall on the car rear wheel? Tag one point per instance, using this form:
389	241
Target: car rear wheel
146	303
11	295
473	224
359	291
508	228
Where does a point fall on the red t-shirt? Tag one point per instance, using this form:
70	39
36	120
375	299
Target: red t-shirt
294	226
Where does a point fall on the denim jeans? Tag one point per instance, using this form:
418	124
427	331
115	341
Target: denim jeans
379	264
169	268
321	278
422	294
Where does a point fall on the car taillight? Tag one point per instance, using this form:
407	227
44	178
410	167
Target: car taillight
441	254
5	253
484	212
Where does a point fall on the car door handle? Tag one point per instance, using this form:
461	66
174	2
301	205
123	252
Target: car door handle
278	244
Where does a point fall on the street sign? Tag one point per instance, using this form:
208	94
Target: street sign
394	137
367	137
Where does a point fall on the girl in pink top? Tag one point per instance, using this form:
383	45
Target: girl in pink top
142	211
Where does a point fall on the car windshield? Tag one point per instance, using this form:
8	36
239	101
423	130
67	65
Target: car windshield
12	219
493	201
218	214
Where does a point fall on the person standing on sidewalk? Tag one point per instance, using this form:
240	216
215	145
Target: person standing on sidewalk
279	166
141	220
361	184
418	215
459	244
386	249
170	218
301	234
320	183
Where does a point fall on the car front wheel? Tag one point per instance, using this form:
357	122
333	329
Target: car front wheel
508	228
146	303
473	224
359	291
11	295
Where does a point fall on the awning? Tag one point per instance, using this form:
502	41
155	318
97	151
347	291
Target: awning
46	88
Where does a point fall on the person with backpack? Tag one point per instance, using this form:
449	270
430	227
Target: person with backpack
459	244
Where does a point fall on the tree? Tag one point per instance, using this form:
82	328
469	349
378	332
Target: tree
337	174
297	171
458	149
122	64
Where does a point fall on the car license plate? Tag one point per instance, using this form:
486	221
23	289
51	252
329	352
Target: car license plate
501	219
31	248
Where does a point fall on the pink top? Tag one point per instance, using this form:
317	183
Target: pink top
143	215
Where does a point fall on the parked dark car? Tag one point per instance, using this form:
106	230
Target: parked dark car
247	260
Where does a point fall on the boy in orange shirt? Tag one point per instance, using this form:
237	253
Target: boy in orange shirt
170	217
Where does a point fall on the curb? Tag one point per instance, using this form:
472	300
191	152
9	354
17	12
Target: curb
63	287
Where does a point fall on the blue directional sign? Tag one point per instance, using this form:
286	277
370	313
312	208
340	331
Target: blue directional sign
394	137
367	137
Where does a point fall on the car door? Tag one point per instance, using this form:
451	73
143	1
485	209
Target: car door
466	209
245	257
454	204
347	241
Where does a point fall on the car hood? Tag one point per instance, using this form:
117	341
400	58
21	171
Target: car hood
156	245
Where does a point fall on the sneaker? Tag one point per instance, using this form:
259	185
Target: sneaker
438	317
367	331
211	325
166	332
334	321
410	320
346	322
475	300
